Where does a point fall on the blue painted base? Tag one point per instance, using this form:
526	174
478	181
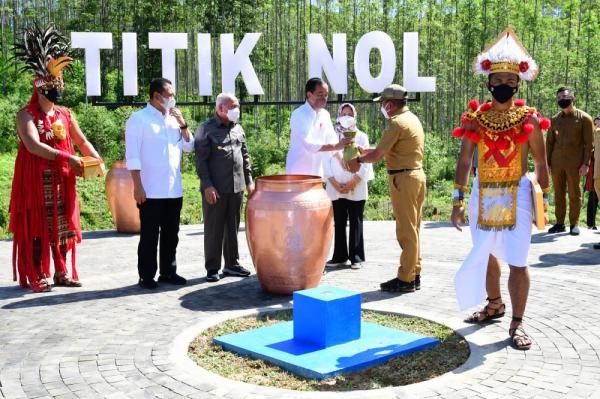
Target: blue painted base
276	345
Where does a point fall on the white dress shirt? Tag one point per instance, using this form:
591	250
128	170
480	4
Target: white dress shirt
153	145
310	130
333	168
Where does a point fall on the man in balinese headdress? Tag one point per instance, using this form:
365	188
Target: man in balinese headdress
44	210
504	131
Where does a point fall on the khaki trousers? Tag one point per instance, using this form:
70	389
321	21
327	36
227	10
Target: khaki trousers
566	179
407	192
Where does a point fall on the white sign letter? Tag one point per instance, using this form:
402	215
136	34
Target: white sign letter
411	79
168	42
336	67
235	61
130	83
204	65
382	42
92	42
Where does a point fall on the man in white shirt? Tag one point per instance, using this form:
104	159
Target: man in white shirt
154	140
312	132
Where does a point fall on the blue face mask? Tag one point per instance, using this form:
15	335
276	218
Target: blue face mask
52	95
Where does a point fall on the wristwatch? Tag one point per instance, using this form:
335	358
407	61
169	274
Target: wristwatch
182	127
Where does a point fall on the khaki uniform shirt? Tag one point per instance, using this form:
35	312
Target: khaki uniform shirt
597	161
569	140
403	141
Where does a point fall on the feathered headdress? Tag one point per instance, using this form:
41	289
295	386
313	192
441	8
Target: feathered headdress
506	54
45	53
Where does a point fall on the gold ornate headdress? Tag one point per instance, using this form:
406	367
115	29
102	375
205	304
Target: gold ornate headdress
46	54
506	54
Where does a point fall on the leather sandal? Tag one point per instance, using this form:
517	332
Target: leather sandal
65	281
518	337
41	285
488	313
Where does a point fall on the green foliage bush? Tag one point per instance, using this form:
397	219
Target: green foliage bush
8	131
104	128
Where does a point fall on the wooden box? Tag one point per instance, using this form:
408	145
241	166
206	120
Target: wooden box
92	167
538	202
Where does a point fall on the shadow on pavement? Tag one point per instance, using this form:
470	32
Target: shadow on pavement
580	257
94	235
235	295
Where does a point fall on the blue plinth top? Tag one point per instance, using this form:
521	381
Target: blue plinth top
326	293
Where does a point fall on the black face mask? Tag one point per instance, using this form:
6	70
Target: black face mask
502	93
53	94
564	102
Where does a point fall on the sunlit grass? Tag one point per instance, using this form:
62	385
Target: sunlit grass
450	354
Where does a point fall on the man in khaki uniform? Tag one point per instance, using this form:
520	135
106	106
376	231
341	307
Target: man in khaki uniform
402	146
597	163
569	146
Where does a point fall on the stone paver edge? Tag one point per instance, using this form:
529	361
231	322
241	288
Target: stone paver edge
193	373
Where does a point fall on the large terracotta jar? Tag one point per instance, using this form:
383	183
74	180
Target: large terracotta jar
119	192
289	228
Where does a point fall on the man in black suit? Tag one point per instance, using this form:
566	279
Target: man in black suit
223	166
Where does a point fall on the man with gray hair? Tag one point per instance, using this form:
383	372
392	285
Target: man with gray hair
223	166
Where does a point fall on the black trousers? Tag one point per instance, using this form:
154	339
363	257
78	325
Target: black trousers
221	226
592	207
158	217
345	210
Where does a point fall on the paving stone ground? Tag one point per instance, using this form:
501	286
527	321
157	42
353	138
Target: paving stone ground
111	339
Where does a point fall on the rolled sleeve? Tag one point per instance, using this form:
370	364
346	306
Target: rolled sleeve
190	145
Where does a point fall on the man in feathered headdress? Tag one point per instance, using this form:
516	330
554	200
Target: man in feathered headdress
504	131
44	211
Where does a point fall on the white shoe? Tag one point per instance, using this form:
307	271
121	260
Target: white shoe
331	263
356	265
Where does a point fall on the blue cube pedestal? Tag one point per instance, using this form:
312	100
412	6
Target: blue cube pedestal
326	316
276	344
326	337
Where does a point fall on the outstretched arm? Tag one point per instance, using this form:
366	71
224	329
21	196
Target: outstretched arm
31	140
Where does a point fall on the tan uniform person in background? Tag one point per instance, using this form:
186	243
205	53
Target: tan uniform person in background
569	149
402	146
597	163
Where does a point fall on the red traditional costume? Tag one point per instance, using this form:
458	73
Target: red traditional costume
44	210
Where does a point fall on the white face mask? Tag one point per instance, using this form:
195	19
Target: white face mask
384	112
169	103
347	122
234	114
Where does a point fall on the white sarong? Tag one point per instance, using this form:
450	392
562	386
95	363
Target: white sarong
510	246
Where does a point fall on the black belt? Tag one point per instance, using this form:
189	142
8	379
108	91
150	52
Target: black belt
394	171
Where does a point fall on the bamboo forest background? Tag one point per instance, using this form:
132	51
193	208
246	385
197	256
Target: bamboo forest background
562	36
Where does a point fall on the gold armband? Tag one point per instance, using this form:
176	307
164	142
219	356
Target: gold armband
462	188
457	202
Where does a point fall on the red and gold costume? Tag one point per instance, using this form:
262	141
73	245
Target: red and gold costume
44	210
498	135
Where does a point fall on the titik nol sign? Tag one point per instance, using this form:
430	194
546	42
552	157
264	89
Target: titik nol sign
237	61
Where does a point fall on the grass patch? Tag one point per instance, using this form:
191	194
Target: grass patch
452	352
